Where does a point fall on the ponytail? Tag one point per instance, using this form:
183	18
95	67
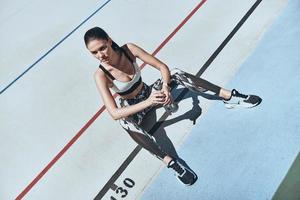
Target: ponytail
115	46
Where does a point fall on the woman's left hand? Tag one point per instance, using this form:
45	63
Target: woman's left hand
168	97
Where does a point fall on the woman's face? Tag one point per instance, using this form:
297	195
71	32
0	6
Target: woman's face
101	49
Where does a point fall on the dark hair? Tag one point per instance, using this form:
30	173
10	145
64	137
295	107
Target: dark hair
98	33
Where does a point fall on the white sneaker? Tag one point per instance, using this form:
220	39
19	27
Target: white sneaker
241	100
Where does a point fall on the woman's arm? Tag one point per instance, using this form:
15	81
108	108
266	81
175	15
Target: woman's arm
156	63
110	104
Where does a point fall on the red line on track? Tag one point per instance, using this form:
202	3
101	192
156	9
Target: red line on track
82	130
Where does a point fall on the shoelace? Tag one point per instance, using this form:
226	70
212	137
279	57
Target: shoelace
237	94
177	168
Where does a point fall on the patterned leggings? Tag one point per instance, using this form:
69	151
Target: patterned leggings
132	123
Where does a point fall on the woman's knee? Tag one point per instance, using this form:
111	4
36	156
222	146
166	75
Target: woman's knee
176	71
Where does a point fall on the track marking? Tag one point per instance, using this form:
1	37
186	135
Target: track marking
138	148
76	137
157	125
56	45
82	130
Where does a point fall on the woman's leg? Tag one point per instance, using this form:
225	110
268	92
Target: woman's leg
198	84
143	138
148	142
231	98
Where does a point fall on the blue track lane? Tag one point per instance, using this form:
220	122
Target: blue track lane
245	153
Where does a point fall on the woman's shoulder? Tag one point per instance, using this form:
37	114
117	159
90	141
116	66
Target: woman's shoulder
101	79
136	50
130	49
99	75
129	45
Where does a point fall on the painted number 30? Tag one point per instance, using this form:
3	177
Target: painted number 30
123	192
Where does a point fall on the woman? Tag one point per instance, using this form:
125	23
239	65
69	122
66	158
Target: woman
119	71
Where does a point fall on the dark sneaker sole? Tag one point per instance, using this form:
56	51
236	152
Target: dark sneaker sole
189	184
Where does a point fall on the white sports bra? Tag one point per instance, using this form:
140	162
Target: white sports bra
124	88
121	87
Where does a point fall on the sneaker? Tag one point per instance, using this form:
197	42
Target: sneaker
241	100
184	175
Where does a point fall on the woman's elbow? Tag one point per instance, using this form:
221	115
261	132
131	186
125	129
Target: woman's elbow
116	118
116	115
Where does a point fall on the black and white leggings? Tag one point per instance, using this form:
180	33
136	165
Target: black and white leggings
132	124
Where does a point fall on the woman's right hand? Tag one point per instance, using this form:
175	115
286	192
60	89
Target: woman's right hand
156	97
